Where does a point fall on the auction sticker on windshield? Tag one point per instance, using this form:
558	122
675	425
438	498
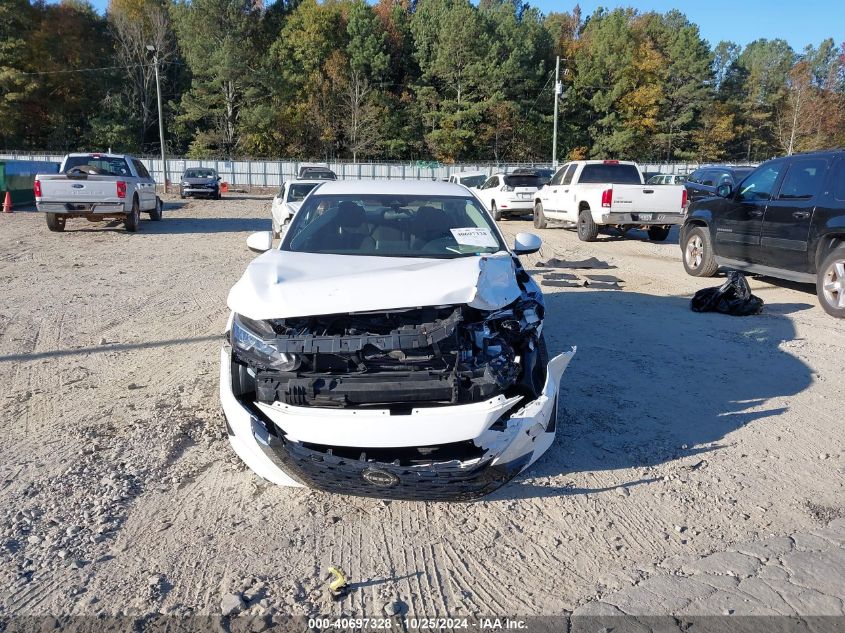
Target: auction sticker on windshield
474	236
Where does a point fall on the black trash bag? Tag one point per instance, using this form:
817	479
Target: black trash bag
732	297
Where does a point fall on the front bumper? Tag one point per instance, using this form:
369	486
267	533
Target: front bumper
205	191
327	448
643	219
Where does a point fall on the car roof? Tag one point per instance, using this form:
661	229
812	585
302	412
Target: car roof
391	187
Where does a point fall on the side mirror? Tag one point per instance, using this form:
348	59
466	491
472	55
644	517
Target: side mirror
724	190
526	243
219	177
260	242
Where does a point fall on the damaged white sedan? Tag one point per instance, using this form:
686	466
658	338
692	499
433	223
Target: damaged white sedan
391	346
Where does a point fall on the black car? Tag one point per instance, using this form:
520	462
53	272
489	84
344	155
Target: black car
702	183
786	219
316	173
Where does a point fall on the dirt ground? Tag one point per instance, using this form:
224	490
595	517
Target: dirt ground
680	435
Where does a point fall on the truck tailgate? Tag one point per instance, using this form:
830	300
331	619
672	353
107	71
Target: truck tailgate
647	199
60	188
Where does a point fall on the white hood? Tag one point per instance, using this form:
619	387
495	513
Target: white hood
280	284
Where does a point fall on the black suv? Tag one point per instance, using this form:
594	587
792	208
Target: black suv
702	183
786	219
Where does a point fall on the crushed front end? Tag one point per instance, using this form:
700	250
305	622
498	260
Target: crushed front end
434	403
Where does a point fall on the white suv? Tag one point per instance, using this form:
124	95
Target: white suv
508	194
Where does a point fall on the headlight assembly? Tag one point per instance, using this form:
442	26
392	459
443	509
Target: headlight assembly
253	341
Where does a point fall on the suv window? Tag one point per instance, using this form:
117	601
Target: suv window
804	179
567	179
760	184
695	177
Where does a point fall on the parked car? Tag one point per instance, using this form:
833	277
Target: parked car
508	194
666	179
470	179
702	183
316	172
391	346
786	219
593	193
97	187
200	181
287	201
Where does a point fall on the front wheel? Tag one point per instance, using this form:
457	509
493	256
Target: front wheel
699	260
155	214
539	217
658	233
830	286
55	222
497	215
588	231
133	218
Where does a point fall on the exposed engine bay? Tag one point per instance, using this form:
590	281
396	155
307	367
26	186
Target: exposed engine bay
408	357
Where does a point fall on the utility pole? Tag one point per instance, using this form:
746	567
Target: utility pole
557	91
154	51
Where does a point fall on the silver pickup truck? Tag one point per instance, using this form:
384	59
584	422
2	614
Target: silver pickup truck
97	187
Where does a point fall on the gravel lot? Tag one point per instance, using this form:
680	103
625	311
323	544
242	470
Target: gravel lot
681	435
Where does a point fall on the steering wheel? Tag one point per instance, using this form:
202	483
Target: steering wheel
439	244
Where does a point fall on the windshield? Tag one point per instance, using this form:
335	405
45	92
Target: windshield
298	192
610	173
199	173
99	164
472	181
392	226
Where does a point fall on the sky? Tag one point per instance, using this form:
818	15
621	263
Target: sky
740	21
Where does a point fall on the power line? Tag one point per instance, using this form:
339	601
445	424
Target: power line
89	70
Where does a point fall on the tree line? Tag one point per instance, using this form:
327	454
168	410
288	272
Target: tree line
405	79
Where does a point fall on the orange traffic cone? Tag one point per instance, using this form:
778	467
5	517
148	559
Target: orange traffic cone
7	203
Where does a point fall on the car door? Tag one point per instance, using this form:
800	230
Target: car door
146	186
546	192
696	187
789	215
739	220
565	194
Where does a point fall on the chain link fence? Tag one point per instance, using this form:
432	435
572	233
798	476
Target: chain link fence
270	174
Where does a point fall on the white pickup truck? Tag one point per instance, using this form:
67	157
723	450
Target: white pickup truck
594	193
97	187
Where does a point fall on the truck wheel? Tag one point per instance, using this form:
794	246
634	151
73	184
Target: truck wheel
155	214
497	215
133	219
587	229
55	222
699	260
277	232
539	217
658	233
830	286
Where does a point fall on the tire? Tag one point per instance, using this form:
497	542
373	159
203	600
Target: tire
182	194
830	285
133	219
217	195
277	232
697	251
55	222
539	217
588	231
155	214
494	210
658	233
